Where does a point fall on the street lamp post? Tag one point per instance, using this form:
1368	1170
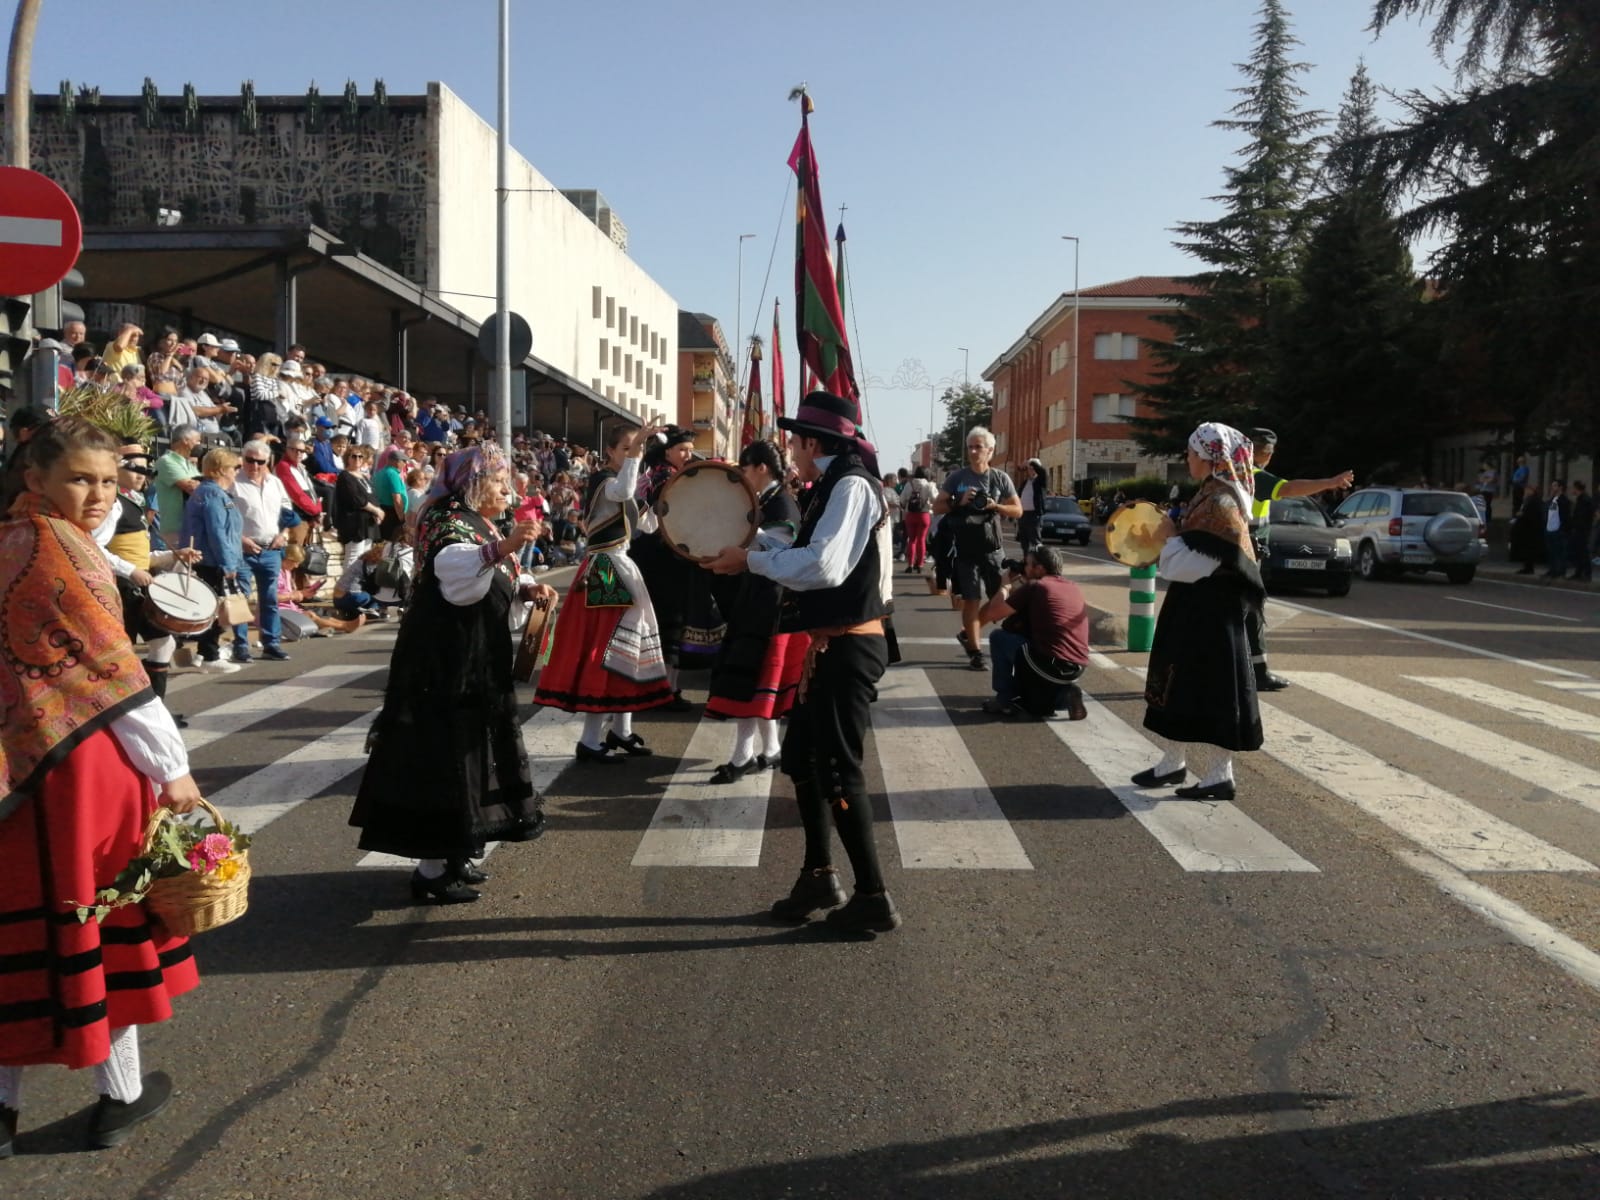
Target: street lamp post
1072	453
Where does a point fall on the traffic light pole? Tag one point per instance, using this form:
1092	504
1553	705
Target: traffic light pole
19	83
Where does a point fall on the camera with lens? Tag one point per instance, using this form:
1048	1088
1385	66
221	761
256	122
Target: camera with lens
1014	565
979	497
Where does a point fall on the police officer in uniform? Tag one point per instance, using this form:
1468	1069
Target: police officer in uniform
1270	487
837	578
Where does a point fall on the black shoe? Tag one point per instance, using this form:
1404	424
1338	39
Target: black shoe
865	914
763	763
812	892
1148	778
114	1120
242	657
589	754
966	643
1266	681
632	745
977	662
1211	791
466	871
8	1130
729	772
275	653
181	721
1076	711
446	889
530	825
997	707
677	703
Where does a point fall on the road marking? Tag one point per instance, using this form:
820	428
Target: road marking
1560	776
1462	834
1591	690
1507	608
945	816
215	723
548	736
948	642
702	824
1567	953
1200	835
260	798
1439	641
1503	700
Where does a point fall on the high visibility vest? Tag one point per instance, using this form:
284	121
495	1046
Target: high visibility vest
1261	502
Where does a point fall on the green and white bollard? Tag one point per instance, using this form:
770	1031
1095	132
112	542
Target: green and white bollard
1141	607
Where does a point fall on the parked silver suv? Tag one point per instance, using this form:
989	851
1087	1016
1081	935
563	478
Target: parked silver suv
1413	529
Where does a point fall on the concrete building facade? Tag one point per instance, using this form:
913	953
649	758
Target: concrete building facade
708	400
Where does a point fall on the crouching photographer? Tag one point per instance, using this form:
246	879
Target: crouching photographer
1040	647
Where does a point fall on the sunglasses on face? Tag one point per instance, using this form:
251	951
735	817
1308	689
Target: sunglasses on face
256	462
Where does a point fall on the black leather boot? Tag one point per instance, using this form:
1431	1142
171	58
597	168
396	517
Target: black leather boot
814	891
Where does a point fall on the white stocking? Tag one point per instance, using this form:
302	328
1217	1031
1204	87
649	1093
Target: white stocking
1172	756
772	747
744	741
594	729
672	678
11	1088
119	1076
1212	763
159	651
622	725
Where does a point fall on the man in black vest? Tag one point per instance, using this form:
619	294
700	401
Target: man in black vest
834	574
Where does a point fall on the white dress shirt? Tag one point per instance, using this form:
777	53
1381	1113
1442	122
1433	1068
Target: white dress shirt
837	543
261	505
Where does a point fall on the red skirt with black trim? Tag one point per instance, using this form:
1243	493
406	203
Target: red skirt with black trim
577	679
65	986
776	682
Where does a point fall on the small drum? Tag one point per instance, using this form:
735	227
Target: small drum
179	603
1135	533
705	507
533	645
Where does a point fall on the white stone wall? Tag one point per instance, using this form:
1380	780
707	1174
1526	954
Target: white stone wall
559	260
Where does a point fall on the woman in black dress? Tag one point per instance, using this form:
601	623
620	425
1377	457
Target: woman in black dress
356	514
448	772
1200	693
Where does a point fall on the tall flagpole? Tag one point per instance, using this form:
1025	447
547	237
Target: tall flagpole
502	235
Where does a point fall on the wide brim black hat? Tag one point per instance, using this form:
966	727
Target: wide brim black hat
822	414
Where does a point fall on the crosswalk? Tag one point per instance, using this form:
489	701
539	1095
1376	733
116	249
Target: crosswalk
1522	742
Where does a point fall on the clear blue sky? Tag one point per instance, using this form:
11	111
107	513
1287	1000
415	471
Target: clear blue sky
965	136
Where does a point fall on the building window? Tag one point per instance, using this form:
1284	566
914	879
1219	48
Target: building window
1000	442
1056	415
622	320
633	330
1122	347
611	311
1000	396
594	386
598	298
616	360
1060	357
655	345
605	354
1112	408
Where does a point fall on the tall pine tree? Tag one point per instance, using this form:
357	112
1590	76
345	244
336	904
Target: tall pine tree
1220	363
1352	355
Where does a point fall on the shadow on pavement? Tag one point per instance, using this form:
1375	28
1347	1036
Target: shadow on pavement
1431	1155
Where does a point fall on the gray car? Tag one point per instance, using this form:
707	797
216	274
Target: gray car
1063	521
1413	529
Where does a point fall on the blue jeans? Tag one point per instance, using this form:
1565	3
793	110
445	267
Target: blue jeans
351	603
263	568
1004	647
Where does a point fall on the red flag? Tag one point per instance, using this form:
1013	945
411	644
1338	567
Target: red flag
777	369
752	400
819	317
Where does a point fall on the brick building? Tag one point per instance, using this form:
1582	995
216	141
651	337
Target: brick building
708	401
1033	382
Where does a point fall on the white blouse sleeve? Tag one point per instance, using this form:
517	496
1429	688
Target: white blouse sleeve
1180	564
150	737
621	485
464	573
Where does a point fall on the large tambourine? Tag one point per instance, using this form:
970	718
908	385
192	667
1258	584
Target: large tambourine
1136	532
705	507
531	649
180	604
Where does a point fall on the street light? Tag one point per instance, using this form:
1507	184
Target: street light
1072	455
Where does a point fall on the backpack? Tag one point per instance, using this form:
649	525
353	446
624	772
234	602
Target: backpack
916	498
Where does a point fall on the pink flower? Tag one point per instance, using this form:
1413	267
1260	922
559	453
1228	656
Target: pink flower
197	861
215	847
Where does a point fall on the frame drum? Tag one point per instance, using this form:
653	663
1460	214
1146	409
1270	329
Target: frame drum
1135	533
532	645
180	604
705	507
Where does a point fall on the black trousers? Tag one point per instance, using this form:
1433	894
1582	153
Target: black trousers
1028	531
825	741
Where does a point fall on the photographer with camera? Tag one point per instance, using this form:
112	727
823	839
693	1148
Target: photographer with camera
972	502
1042	644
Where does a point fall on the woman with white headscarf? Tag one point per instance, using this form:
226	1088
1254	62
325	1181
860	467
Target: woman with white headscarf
1200	692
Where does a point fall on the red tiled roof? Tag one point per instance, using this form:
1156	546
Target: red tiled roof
1144	285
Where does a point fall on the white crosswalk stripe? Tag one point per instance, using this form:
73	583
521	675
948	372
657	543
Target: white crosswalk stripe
1537	767
1581	687
1504	701
944	814
1200	836
260	798
257	705
701	824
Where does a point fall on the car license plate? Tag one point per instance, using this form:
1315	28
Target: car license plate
1305	564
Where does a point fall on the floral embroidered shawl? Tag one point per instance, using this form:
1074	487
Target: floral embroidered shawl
67	668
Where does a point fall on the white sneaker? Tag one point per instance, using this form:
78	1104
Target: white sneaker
218	666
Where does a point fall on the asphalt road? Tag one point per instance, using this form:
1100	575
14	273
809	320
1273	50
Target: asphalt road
1375	974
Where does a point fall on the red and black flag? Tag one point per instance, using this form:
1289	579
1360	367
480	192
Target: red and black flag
752	399
777	369
819	317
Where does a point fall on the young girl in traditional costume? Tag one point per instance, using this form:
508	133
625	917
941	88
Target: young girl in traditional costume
85	747
606	656
1200	692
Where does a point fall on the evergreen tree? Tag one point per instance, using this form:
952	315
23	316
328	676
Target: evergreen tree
1507	170
1220	362
1352	358
965	407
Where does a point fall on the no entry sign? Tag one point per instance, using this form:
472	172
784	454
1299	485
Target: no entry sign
40	232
